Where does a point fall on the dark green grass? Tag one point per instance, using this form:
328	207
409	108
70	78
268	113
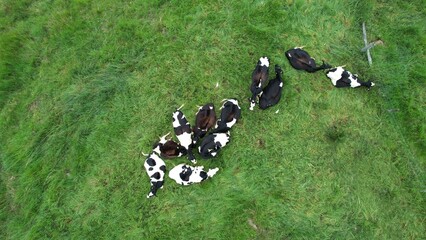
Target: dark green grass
86	86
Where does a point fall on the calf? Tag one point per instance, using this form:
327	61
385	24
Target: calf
259	77
272	93
342	78
211	145
183	132
204	120
167	148
155	168
186	175
229	115
301	60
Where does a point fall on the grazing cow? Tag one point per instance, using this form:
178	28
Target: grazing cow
229	115
167	148
342	78
183	132
301	60
155	168
204	120
211	145
272	93
186	175
259	77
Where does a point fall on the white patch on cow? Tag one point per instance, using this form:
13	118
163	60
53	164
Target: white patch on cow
185	139
213	154
264	61
281	84
157	149
175	119
212	172
354	82
231	123
372	84
221	138
234	101
336	75
289	54
163	138
211	107
252	104
260	84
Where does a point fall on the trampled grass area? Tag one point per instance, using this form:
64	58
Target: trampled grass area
85	86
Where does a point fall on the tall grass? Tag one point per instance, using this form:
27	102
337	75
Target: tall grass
86	86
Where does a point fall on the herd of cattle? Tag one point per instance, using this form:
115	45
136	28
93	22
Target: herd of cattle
211	133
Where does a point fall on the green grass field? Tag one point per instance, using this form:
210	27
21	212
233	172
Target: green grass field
85	86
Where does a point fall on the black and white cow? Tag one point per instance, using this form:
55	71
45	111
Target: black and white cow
230	113
211	145
300	60
272	93
186	175
259	77
342	78
167	148
183	132
155	168
205	119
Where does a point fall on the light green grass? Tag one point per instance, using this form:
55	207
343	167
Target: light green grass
85	86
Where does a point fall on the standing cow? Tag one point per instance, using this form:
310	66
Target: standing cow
342	78
186	175
301	60
156	169
259	77
183	132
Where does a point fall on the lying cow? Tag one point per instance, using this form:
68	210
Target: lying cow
167	148
229	115
342	78
205	119
272	93
211	145
183	132
259	78
155	168
300	60
186	175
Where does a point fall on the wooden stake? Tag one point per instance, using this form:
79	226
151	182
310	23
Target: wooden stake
364	33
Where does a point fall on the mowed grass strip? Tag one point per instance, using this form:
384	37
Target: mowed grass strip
86	86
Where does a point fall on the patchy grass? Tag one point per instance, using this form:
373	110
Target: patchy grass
86	86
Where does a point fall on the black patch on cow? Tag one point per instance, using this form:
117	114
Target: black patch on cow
156	175
203	175
332	70
150	169
151	162
163	168
185	174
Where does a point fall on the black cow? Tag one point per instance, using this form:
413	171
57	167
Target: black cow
186	175
167	148
272	93
211	145
259	77
301	60
155	168
183	132
229	115
342	78
204	120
